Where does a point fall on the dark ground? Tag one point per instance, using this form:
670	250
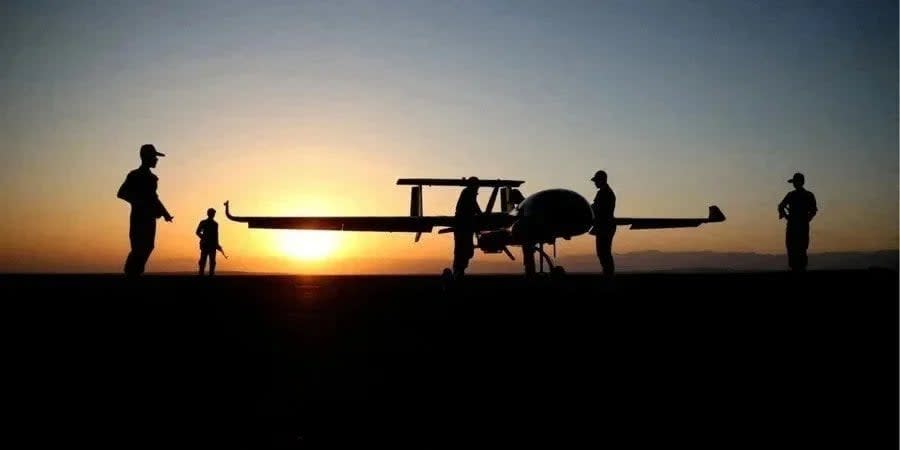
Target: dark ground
686	361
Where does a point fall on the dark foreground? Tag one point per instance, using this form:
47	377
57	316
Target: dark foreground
291	362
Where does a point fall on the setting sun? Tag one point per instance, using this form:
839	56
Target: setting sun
308	245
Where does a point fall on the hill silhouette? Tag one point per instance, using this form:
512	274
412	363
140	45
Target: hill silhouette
634	262
642	261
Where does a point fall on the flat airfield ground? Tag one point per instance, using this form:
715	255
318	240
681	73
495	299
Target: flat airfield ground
674	360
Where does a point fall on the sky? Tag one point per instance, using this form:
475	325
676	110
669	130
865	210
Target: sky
316	108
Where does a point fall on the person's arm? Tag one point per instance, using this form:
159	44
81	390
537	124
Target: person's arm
612	205
813	209
199	231
124	192
781	207
164	211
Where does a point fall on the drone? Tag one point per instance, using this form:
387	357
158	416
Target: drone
527	222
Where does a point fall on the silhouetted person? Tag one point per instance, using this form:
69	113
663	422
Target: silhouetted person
208	232
466	210
604	228
528	251
139	189
798	207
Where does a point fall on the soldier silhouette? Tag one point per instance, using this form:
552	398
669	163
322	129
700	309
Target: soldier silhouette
604	226
466	210
208	232
139	190
799	208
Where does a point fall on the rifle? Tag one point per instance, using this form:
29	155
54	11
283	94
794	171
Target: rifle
219	248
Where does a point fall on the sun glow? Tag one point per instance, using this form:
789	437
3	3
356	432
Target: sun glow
308	245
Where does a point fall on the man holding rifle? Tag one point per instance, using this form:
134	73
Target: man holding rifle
208	232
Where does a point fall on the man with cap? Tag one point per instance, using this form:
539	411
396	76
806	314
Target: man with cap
139	189
208	232
798	207
604	228
466	210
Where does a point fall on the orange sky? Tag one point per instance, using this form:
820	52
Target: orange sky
317	109
74	223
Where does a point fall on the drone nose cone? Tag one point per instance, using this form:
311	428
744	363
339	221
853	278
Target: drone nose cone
555	213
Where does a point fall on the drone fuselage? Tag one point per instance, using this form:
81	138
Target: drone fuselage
542	218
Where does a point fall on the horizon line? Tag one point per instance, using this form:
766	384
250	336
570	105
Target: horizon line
685	271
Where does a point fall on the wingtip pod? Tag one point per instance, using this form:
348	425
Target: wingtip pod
715	214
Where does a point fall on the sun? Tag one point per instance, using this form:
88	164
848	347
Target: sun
308	245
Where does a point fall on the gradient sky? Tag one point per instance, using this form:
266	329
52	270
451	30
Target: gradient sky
315	108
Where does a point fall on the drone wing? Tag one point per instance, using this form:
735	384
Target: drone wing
715	215
410	224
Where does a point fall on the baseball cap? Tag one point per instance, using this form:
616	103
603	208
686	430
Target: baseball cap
797	177
599	175
150	150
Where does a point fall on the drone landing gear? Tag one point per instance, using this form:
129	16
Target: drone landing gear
554	269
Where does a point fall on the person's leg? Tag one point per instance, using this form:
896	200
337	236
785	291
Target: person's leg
142	241
789	245
607	262
797	244
134	240
603	245
212	262
528	257
460	262
149	243
129	260
802	246
462	251
202	262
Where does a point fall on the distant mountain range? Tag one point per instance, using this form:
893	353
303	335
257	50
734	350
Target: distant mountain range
732	261
643	261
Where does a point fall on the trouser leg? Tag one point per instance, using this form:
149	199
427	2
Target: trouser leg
528	258
142	235
463	250
604	251
797	243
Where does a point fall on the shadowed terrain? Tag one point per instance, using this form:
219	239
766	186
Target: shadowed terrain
711	360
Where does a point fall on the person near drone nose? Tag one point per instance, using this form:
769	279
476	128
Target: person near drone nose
466	210
798	207
604	226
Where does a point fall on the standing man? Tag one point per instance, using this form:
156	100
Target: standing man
208	232
604	228
466	210
139	189
798	207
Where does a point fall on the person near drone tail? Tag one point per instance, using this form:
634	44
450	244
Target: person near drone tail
798	207
466	210
139	190
604	226
208	232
